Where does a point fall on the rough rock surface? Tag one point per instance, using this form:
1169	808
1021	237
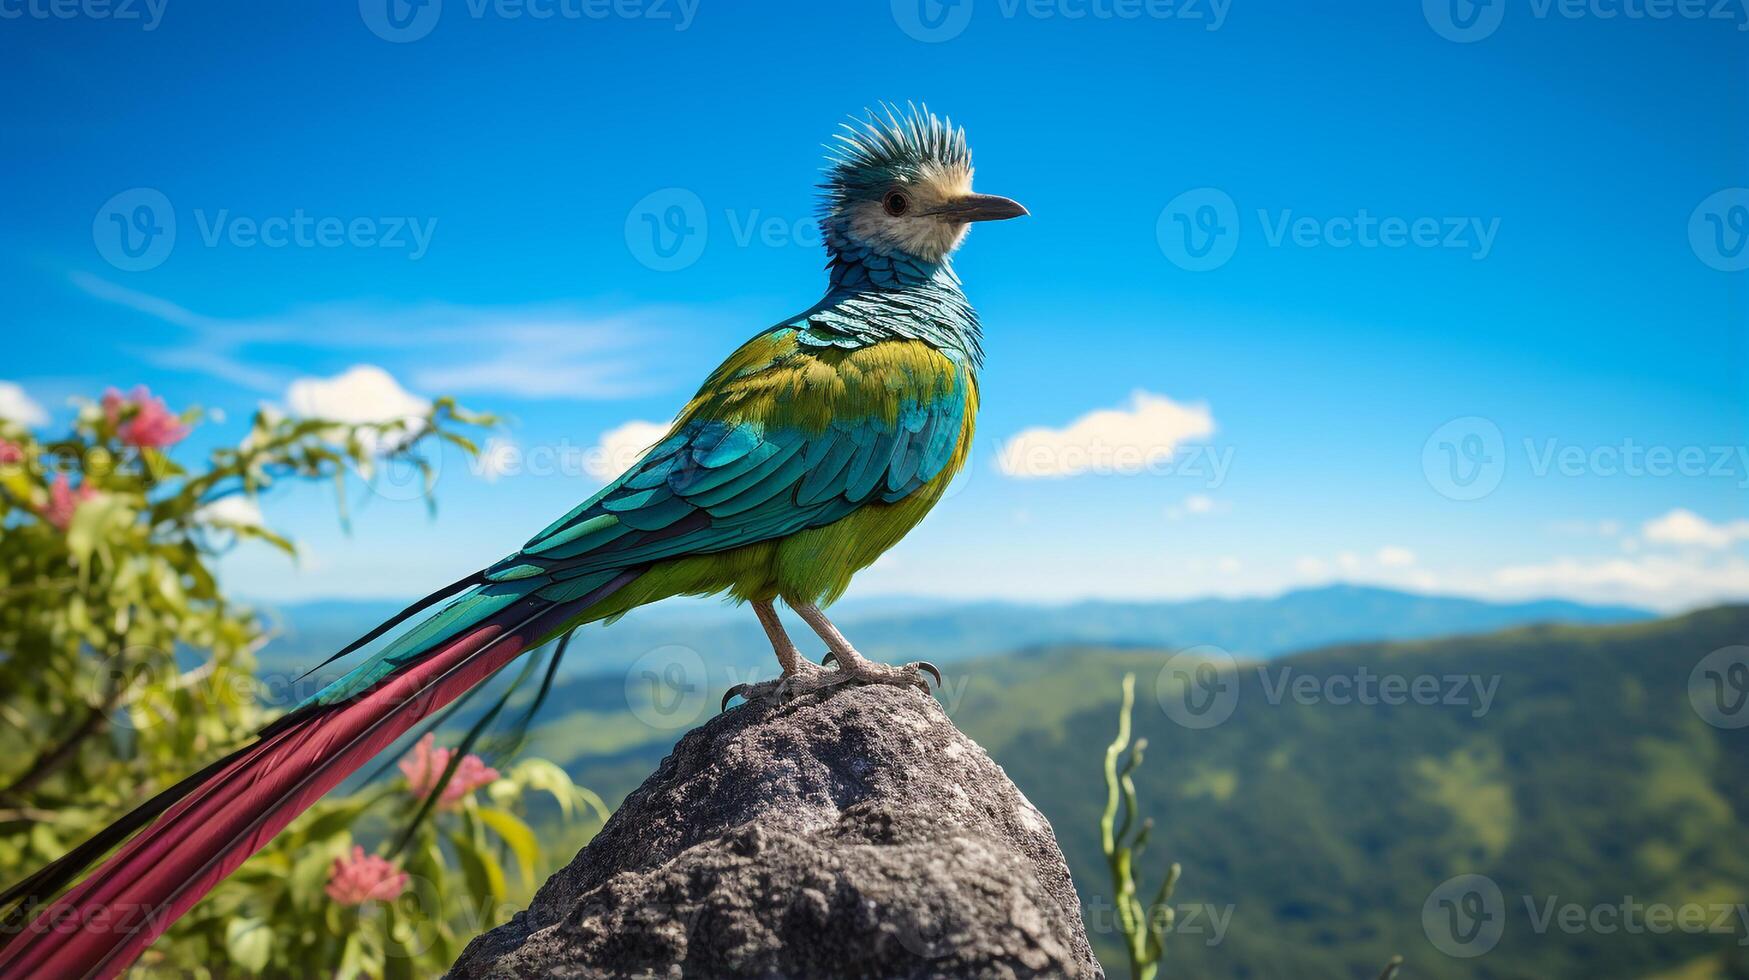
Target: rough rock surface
856	834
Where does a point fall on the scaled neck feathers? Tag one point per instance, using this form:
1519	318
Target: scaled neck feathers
874	297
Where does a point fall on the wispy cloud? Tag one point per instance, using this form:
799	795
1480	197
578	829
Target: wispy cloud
620	447
1685	528
1129	440
19	407
361	394
537	352
1661	581
1196	505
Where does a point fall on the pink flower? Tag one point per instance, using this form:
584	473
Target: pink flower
10	453
364	878
424	766
151	426
64	501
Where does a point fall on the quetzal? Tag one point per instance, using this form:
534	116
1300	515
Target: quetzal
813	449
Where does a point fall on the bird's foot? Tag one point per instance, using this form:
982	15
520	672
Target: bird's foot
865	671
812	679
788	687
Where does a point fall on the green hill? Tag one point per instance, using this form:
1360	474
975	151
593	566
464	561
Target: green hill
1564	763
1589	780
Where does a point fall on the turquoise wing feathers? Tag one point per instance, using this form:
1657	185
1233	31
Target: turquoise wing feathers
714	484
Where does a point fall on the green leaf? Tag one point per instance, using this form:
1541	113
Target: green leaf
484	875
93	522
351	958
517	835
249	943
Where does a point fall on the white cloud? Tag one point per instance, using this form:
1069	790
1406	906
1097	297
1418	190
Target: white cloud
1312	567
361	395
1660	581
1395	556
1685	528
19	407
1114	440
1424	581
621	447
358	395
1228	565
237	509
516	352
1196	505
498	458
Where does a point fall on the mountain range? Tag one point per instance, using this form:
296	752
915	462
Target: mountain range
897	627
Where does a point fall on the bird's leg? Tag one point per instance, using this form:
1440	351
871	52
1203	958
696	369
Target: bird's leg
799	673
788	657
854	666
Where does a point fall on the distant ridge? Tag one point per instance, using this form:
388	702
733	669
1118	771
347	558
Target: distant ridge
890	627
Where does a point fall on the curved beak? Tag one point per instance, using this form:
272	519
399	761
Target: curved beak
981	207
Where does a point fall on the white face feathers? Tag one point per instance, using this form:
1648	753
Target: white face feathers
902	220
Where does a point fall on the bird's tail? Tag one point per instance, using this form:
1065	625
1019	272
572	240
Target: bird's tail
195	833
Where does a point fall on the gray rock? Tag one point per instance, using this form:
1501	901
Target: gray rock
858	834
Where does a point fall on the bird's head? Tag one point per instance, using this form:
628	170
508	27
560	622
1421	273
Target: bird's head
901	183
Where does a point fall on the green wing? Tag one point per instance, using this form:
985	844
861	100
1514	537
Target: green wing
718	483
780	439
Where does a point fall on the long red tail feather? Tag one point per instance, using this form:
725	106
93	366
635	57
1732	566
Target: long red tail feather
101	925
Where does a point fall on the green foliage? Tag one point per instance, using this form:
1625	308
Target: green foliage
1322	828
124	667
1144	927
467	869
1590	779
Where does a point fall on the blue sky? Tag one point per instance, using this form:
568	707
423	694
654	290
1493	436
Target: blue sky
1526	217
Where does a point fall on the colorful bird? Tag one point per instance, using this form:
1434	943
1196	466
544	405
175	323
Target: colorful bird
813	449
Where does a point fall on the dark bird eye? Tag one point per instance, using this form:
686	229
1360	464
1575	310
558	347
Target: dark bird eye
895	203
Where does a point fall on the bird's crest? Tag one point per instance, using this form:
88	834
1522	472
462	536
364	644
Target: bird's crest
889	144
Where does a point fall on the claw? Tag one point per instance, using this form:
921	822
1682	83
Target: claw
731	694
924	665
828	658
